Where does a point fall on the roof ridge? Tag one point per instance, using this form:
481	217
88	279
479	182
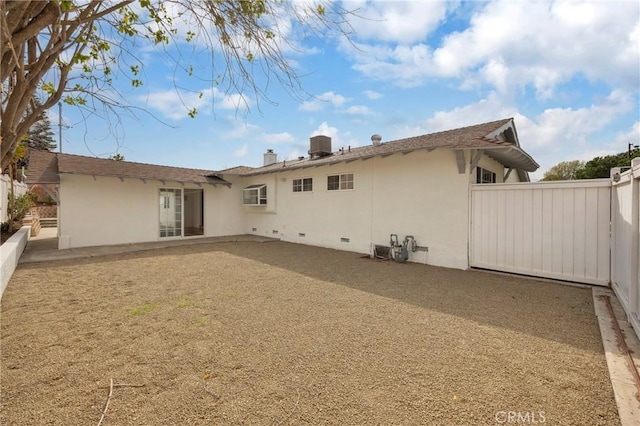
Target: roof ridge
398	141
504	120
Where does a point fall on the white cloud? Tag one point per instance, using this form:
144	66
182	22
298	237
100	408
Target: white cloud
510	44
373	95
492	108
284	137
632	136
358	110
587	150
558	126
295	153
326	130
321	101
176	103
397	21
241	152
239	129
405	65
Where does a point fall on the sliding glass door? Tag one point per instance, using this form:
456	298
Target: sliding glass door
181	212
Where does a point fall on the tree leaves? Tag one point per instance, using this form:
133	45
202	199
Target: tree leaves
72	50
596	168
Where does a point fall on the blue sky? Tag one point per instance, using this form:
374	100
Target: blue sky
568	72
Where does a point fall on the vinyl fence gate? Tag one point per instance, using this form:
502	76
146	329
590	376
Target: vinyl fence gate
556	230
625	240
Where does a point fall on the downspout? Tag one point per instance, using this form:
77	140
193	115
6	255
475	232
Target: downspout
372	204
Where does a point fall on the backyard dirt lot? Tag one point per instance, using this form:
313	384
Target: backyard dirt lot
277	333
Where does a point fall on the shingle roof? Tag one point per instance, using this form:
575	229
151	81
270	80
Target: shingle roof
47	166
472	137
237	170
43	168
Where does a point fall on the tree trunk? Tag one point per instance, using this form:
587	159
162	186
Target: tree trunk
12	199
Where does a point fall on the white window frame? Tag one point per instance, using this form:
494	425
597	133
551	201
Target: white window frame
255	195
346	182
485	175
175	231
299	184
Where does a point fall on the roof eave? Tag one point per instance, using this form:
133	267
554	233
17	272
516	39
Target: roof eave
209	180
513	157
508	155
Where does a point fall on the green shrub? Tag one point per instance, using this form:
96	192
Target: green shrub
19	206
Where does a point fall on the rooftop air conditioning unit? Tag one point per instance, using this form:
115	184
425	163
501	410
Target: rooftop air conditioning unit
320	146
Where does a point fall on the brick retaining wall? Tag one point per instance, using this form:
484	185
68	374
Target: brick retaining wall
46	211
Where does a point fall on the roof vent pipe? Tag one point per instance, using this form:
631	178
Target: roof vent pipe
270	157
376	140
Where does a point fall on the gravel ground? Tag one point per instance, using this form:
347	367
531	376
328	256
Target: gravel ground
277	333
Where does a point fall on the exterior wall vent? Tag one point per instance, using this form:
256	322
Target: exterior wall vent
302	234
344	240
254	229
270	158
320	146
275	231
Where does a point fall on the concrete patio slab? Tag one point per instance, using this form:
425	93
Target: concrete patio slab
44	247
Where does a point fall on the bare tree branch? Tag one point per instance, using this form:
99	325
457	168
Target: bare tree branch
72	50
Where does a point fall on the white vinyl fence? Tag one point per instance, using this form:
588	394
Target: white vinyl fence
5	188
556	230
585	231
625	239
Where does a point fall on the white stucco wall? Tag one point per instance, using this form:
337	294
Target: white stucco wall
420	194
10	253
223	210
491	164
106	210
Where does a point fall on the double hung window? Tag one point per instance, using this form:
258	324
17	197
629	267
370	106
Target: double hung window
340	182
485	176
303	185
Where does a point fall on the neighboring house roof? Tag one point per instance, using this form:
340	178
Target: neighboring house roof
497	139
45	167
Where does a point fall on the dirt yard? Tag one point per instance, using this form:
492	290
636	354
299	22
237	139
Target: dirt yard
277	333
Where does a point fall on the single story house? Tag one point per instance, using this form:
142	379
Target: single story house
351	198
